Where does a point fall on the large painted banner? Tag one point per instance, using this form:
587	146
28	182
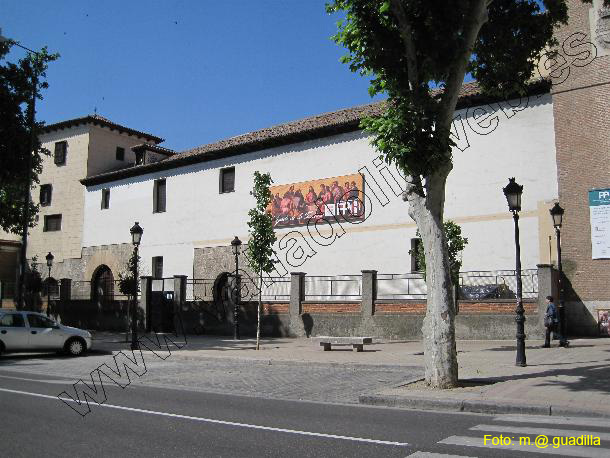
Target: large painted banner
599	207
298	204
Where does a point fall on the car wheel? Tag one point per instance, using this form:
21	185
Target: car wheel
75	346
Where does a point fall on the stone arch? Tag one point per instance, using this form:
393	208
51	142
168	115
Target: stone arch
102	284
223	301
115	257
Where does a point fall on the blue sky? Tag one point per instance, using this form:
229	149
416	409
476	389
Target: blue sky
192	71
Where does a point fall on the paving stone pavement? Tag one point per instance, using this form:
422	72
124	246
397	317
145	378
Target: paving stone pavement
324	382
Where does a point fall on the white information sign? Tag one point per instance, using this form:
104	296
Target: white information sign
599	206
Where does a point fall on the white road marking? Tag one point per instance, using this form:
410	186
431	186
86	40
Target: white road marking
565	450
537	431
436	455
220	422
576	421
60	382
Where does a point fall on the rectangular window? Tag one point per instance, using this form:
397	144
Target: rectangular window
157	267
415	244
139	157
120	153
159	196
52	223
105	199
12	320
227	180
37	321
59	155
46	191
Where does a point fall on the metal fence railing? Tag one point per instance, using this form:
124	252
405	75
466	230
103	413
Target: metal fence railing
497	284
275	289
333	288
199	289
108	290
475	285
401	286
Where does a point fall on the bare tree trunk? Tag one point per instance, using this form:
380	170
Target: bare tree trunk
258	312
440	356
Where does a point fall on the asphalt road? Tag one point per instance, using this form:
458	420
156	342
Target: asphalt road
146	421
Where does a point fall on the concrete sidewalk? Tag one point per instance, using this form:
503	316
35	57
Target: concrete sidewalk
557	381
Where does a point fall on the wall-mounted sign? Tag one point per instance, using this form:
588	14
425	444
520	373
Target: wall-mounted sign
599	207
297	204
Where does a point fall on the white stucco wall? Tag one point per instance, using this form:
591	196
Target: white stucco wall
198	216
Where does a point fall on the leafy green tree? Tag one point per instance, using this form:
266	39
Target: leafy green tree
408	47
128	284
455	245
15	112
262	237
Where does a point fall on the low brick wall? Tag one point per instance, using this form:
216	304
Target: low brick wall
331	307
392	320
495	307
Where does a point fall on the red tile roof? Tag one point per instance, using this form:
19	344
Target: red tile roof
346	120
153	148
98	120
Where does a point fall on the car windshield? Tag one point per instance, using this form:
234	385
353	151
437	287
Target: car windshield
39	321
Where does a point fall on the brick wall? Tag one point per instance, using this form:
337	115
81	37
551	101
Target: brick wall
407	308
331	307
582	121
470	308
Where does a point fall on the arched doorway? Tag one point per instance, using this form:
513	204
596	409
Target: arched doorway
223	297
102	285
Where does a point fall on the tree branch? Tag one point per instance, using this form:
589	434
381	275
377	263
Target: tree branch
406	32
478	17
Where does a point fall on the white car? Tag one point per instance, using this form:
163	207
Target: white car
31	331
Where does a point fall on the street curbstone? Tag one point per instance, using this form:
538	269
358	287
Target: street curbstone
492	407
476	406
413	402
561	411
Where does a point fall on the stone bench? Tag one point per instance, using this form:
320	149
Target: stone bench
357	343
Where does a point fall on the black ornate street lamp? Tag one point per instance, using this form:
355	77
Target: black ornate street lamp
513	192
236	247
136	237
49	259
557	214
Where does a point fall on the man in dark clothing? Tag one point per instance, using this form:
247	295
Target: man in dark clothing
551	323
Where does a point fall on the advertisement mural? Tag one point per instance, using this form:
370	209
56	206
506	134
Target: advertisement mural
296	204
599	206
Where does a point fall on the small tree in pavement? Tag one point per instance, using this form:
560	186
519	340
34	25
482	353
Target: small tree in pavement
262	238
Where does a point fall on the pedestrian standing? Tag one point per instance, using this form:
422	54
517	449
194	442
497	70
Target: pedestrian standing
552	324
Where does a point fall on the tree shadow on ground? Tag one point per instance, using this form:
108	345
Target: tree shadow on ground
17	358
590	378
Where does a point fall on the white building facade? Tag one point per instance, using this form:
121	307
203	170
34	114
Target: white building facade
495	141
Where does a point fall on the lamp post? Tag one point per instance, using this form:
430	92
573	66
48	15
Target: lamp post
49	259
236	247
28	174
136	236
557	214
513	192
